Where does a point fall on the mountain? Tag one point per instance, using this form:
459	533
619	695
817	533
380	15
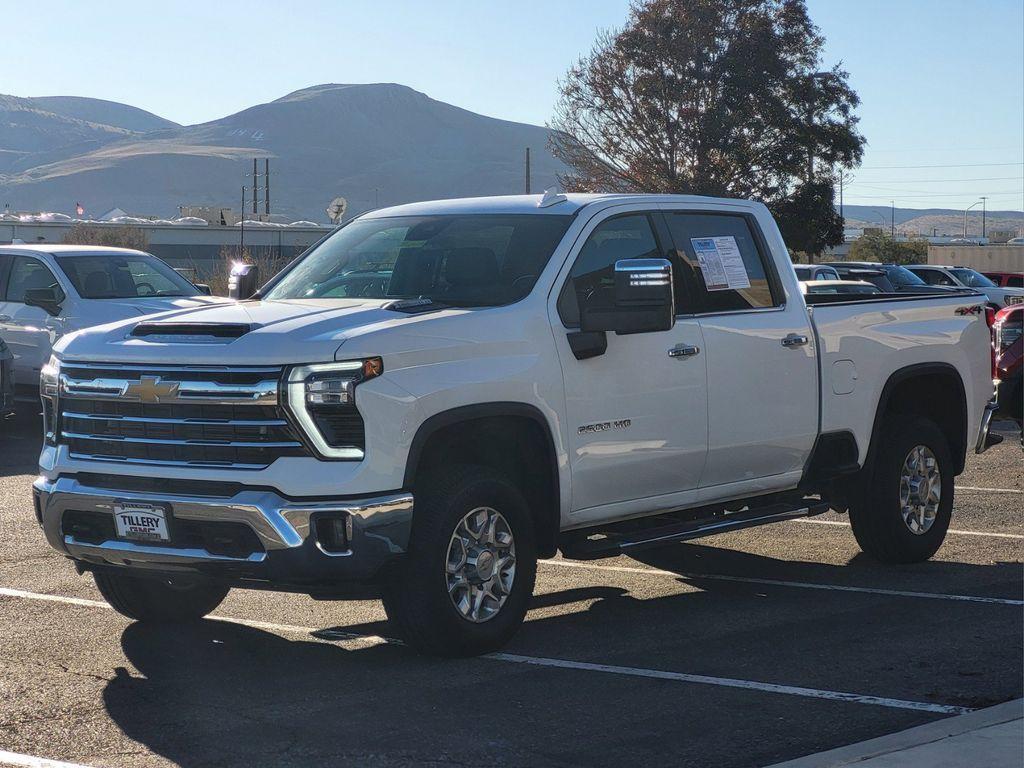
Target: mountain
941	221
103	112
379	143
45	129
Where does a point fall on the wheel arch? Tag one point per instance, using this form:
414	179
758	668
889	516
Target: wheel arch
934	390
513	437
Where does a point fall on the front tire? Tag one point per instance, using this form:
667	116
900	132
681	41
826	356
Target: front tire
466	582
905	513
153	600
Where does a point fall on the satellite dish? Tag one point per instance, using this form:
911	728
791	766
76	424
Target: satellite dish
337	209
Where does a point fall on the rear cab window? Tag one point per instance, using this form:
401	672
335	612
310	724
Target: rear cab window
724	258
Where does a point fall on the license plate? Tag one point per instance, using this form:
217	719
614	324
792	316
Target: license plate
141	522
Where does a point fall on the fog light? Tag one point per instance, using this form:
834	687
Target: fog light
334	533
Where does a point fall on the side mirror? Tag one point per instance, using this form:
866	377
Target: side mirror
641	299
44	298
203	288
243	282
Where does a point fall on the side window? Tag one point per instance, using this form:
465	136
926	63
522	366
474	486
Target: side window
1014	281
593	273
28	274
934	277
724	260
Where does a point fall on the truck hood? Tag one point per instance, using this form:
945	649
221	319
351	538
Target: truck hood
257	333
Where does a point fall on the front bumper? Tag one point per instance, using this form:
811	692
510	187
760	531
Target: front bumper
288	557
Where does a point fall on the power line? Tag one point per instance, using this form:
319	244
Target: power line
964	165
938	181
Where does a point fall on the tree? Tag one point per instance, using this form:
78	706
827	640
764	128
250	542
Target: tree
876	245
114	237
713	97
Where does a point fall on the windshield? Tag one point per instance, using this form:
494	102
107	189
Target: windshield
460	260
123	276
972	279
901	276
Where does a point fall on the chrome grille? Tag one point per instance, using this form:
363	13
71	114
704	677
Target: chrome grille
194	415
1012	300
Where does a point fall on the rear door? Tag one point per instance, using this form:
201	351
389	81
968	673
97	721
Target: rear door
762	371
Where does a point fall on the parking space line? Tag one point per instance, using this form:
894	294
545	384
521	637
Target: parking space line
780	583
724	682
956	531
30	761
988	490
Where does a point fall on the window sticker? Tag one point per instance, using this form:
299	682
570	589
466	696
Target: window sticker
721	263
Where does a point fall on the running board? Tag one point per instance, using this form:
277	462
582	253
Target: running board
612	542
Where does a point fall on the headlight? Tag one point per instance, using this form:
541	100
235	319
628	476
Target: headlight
49	391
322	398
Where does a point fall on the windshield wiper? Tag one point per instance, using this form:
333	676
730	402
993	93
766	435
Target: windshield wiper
413	306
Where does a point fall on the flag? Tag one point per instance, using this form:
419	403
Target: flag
79	209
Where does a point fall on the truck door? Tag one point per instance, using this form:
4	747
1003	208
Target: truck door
636	415
762	370
29	331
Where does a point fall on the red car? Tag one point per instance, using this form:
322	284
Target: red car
1006	279
1009	342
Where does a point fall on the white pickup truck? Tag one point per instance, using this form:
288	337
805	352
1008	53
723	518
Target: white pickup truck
441	393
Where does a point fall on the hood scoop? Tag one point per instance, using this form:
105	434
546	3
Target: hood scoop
191	333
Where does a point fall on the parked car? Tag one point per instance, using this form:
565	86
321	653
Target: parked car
805	272
6	381
965	277
888	278
1006	279
47	291
837	287
1009	342
587	373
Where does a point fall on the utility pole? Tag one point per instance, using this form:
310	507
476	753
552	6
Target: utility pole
892	221
255	189
241	225
527	170
266	187
983	199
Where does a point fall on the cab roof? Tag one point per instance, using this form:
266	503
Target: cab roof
562	204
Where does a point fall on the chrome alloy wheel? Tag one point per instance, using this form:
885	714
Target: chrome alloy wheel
481	564
920	489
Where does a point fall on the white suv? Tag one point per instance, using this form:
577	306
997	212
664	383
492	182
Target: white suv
47	291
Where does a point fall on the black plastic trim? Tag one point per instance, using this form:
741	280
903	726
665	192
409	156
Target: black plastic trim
466	413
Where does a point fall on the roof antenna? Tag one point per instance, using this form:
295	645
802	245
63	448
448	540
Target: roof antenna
551	197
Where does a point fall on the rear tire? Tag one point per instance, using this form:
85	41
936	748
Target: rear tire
472	533
153	600
904	515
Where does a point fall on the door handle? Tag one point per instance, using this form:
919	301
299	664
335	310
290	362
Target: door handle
794	340
684	350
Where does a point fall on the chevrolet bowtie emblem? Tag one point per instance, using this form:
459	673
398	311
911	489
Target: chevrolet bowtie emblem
151	389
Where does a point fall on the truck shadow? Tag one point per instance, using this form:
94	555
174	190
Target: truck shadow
21	437
222	693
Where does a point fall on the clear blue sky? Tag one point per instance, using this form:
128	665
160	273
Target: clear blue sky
941	81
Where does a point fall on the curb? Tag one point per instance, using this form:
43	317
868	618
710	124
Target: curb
914	737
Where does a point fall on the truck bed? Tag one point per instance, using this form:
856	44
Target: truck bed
864	341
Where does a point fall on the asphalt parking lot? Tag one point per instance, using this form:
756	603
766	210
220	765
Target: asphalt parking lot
739	650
